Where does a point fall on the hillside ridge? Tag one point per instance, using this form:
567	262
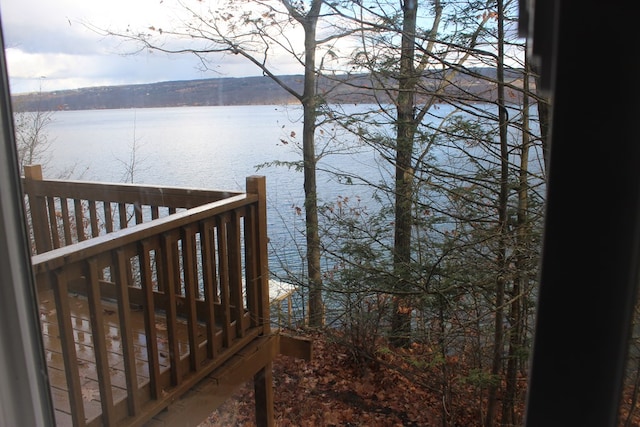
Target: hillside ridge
256	90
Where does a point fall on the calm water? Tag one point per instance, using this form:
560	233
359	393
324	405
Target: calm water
207	147
215	148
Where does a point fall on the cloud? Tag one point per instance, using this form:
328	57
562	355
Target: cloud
52	39
62	25
55	71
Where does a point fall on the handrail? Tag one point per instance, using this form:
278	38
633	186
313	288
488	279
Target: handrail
57	257
169	196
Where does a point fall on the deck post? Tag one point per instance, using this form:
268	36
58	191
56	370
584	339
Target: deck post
38	212
258	185
263	379
263	391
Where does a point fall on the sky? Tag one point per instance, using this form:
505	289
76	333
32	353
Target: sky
48	46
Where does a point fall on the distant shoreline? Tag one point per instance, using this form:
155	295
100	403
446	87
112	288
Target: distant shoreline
259	90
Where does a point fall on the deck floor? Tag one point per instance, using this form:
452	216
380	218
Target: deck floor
85	354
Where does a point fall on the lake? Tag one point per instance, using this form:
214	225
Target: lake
205	147
217	148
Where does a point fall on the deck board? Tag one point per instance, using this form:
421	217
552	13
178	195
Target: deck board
85	352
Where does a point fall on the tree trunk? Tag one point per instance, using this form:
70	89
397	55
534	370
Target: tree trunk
309	101
498	338
406	127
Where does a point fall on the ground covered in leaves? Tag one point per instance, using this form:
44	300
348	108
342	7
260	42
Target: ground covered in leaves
331	390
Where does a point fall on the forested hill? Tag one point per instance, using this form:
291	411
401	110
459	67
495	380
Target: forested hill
226	91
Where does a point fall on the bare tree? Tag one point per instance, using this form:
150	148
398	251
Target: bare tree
472	270
255	30
32	139
414	76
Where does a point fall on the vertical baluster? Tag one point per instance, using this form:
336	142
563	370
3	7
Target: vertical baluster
69	357
108	217
251	257
126	332
235	272
79	217
227	336
190	278
66	221
150	320
53	222
137	209
169	266
93	218
122	215
209	281
99	341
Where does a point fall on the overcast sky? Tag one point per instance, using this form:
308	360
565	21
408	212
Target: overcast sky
49	48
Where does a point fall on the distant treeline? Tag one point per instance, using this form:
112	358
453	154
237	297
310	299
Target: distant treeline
259	90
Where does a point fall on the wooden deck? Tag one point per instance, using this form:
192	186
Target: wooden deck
86	356
80	314
147	294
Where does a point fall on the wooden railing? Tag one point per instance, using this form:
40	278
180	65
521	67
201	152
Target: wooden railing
187	257
64	212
